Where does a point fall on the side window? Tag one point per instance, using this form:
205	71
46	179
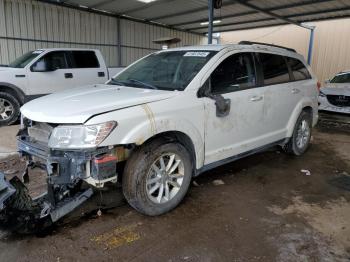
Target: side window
54	60
299	70
84	59
235	73
275	69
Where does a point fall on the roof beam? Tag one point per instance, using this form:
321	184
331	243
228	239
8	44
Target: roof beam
289	16
250	27
277	8
102	3
278	24
235	23
191	11
96	11
269	13
145	6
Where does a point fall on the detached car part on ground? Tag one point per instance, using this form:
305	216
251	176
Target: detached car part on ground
335	96
166	118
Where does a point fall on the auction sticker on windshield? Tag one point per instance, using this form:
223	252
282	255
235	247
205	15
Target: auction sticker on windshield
200	54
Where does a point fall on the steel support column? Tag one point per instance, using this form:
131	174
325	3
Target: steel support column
119	41
311	45
210	25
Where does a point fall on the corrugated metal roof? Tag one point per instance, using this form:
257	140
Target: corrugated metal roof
234	14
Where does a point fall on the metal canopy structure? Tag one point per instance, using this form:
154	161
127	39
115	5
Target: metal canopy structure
192	15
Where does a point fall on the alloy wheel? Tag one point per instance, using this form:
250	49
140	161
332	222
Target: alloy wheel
165	178
303	134
6	109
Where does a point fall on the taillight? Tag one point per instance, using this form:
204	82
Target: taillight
318	85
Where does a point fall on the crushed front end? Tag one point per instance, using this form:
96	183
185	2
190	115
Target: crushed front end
71	175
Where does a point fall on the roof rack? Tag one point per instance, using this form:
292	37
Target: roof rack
258	43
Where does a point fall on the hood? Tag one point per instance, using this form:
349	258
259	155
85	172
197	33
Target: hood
336	89
77	105
5	68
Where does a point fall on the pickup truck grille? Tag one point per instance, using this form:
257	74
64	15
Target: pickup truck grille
341	101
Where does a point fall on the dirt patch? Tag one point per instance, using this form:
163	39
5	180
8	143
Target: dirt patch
330	224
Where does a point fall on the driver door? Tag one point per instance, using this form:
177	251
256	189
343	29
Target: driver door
235	79
56	77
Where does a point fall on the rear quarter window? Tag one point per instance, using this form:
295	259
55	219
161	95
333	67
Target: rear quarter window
299	70
275	69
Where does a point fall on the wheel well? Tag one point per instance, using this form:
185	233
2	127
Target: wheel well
308	109
13	92
176	136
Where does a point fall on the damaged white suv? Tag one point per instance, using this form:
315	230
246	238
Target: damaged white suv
165	119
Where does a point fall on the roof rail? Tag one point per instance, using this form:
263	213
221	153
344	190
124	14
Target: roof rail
258	43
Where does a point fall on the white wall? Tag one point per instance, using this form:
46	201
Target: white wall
331	52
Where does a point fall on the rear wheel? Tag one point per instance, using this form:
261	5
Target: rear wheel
9	109
157	177
300	140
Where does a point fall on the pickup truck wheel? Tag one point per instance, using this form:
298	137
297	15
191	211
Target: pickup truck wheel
157	177
300	140
9	109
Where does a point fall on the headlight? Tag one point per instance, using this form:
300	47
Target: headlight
80	136
322	94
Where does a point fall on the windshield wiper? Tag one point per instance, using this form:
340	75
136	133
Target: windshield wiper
143	83
116	82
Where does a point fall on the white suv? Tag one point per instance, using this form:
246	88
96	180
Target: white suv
167	118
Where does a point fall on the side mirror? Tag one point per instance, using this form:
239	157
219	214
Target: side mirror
41	66
223	105
327	81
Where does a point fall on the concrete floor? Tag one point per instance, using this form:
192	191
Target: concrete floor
266	210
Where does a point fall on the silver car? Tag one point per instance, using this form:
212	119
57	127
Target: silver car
335	96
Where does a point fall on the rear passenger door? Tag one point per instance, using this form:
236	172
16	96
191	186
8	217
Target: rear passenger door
85	68
281	95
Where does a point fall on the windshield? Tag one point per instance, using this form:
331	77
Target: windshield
170	70
341	78
25	59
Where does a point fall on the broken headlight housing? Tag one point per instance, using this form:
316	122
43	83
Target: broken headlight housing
80	136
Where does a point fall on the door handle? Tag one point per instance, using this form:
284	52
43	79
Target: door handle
68	75
256	98
295	91
101	74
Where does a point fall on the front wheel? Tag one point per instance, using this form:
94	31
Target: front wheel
157	177
300	140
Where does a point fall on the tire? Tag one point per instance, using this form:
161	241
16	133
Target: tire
9	109
140	172
294	146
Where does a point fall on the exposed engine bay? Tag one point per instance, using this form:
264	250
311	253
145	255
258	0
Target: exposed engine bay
71	177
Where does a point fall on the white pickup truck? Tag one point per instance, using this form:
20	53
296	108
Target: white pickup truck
46	71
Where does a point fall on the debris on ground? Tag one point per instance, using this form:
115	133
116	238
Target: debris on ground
306	172
344	173
195	183
218	182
